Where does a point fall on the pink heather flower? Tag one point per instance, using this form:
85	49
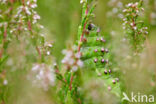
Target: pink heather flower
131	24
48	53
35	68
5	82
36	17
33	5
124	19
130	4
78	55
74	68
135	28
28	2
72	60
49	45
124	10
44	76
69	53
27	11
80	63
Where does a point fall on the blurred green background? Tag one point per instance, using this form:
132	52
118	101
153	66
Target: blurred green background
61	19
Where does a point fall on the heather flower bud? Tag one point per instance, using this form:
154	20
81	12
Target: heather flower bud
106	50
97	39
102	60
102	49
114	82
110	71
95	50
95	60
102	40
105	71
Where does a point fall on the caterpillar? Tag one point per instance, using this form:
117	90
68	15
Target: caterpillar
94	53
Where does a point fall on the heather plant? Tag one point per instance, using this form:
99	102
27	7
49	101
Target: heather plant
69	76
95	68
91	53
95	55
136	31
18	25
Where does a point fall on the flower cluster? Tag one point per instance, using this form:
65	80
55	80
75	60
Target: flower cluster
25	14
19	20
132	12
72	60
45	49
135	30
44	76
21	17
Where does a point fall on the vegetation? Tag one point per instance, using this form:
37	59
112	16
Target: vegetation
72	62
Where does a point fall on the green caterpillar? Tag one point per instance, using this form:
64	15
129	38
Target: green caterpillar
96	56
94	53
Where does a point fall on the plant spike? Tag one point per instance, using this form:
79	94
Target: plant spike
95	55
85	17
135	30
18	19
69	77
